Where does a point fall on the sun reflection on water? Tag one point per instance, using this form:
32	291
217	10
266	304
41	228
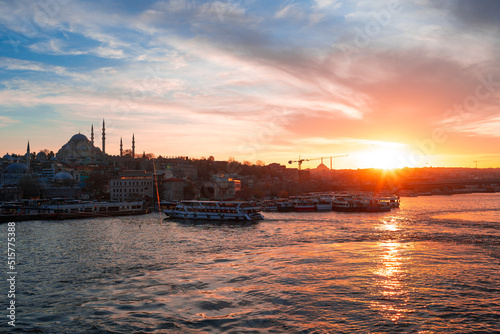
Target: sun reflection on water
389	224
392	295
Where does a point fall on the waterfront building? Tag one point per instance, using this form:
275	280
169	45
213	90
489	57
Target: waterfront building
181	167
224	188
132	185
173	190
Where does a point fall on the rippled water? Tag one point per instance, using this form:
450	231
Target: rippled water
431	266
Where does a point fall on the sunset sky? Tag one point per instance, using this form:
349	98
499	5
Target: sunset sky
391	84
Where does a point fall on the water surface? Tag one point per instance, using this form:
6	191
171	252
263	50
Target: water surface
430	266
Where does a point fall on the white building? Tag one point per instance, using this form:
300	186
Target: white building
132	186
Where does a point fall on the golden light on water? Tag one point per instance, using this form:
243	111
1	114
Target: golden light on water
389	224
388	275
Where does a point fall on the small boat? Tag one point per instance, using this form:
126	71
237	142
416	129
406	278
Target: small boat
284	206
215	211
269	206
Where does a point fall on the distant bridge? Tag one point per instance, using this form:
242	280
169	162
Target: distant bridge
450	183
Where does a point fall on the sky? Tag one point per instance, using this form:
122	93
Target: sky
387	83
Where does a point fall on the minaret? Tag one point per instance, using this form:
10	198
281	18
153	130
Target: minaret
28	156
92	142
103	138
133	146
121	147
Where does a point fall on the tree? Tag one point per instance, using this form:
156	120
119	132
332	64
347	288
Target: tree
190	191
283	194
96	184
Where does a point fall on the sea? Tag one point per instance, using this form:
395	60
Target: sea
431	266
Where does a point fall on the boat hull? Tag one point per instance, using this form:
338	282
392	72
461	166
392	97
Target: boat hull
304	208
211	217
67	216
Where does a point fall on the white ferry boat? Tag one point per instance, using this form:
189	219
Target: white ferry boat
60	209
215	210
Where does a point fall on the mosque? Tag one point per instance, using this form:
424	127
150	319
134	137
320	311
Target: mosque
79	150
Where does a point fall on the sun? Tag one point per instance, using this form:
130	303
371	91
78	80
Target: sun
382	158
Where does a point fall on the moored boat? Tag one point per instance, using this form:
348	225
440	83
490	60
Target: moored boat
377	205
324	203
284	205
215	211
68	209
348	203
269	206
304	204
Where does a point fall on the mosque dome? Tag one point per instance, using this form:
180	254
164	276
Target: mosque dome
322	167
8	157
63	176
17	168
41	156
78	137
53	159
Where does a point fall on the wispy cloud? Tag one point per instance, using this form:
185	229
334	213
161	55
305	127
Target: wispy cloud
6	121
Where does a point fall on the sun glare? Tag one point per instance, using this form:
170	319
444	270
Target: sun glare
383	158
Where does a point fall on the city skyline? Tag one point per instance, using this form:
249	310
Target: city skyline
391	84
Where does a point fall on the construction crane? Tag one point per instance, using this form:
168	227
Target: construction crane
300	161
336	156
476	161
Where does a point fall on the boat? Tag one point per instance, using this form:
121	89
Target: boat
163	205
67	209
377	205
284	206
269	206
215	211
304	204
394	201
347	203
324	203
